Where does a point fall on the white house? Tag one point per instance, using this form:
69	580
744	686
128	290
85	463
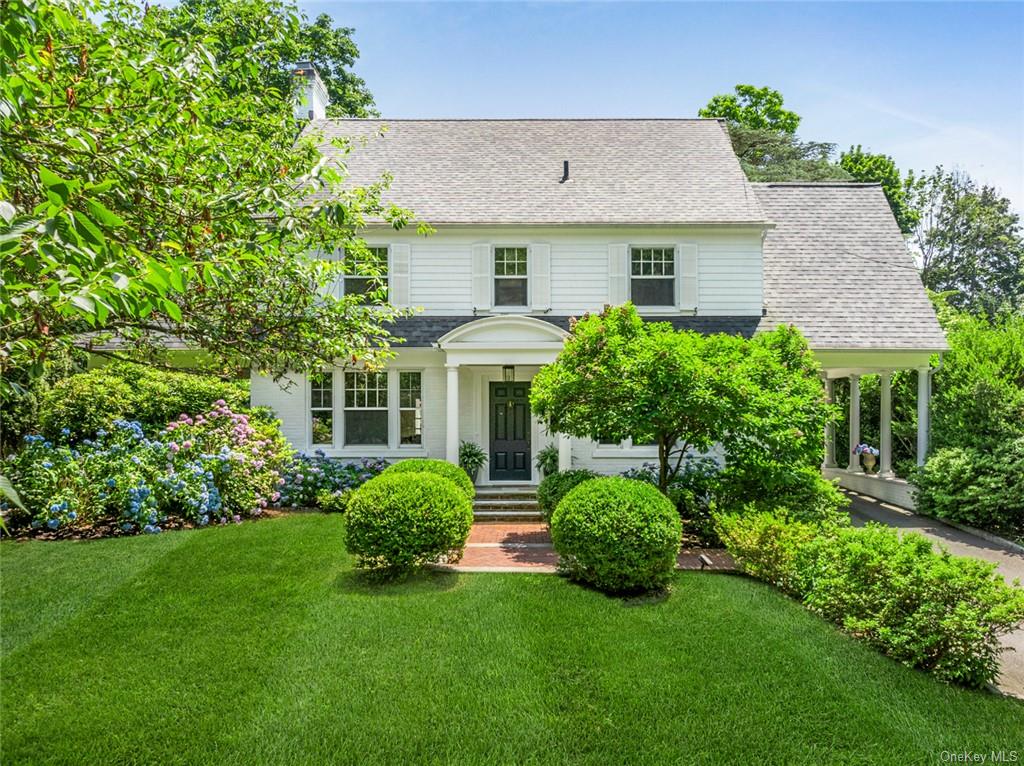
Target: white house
538	221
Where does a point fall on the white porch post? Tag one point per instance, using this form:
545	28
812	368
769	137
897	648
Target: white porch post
923	394
854	464
830	428
452	415
564	452
885	425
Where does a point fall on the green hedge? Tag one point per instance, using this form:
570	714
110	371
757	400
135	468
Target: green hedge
981	488
442	468
89	401
932	611
619	535
555	486
398	522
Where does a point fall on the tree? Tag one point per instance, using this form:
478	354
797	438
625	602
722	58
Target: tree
880	168
149	190
768	155
969	241
753	107
272	36
619	377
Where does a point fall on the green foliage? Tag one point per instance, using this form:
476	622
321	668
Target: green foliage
175	202
981	488
928	610
933	611
765	545
880	168
441	468
217	465
619	535
554	486
89	401
334	502
401	521
753	107
547	460
618	377
969	240
22	396
471	458
768	155
274	38
774	486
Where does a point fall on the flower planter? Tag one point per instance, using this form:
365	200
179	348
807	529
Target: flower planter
868	461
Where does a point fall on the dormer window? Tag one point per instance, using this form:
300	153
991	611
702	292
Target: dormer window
652	276
511	281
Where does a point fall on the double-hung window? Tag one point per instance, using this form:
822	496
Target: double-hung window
321	407
366	408
368	274
410	408
511	281
652	276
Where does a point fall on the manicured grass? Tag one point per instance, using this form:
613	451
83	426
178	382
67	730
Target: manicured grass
258	644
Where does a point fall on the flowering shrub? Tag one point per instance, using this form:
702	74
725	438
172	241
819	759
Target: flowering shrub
308	478
217	465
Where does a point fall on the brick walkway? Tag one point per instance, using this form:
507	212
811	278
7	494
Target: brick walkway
526	547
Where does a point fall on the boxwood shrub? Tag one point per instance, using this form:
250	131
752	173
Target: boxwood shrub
555	486
441	468
400	521
929	610
619	535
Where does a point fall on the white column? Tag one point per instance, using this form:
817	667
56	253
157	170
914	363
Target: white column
923	394
564	452
830	427
452	416
854	464
885	425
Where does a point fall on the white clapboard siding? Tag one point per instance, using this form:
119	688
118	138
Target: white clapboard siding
687	257
539	270
730	272
398	274
481	276
440	280
618	274
579	277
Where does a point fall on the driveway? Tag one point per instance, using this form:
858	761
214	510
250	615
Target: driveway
1009	562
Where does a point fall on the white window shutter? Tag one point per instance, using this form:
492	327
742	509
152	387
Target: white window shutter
336	287
482	276
539	273
618	274
398	274
686	268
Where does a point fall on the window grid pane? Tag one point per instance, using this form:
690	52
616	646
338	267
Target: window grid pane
366	408
510	261
367	274
410	406
321	405
652	271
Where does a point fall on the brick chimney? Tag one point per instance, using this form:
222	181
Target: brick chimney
311	93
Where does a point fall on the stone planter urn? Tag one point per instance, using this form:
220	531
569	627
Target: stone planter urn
868	460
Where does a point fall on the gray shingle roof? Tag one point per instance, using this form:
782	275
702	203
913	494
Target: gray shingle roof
424	330
838	268
508	171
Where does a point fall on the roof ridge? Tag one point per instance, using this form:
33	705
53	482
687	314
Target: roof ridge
817	184
520	119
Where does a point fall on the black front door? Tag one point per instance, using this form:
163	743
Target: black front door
510	431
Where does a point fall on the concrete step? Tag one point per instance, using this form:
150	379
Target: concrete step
504	502
506	493
505	515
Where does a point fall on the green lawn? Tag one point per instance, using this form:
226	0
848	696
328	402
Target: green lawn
258	644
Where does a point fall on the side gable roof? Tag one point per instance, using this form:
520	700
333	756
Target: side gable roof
678	171
838	268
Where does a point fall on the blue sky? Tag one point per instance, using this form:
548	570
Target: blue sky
928	83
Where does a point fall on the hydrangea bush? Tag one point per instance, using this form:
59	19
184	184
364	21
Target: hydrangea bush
310	478
217	466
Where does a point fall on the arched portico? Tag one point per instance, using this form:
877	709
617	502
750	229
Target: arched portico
507	343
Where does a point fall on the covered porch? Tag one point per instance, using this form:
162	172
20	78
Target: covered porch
848	470
489	364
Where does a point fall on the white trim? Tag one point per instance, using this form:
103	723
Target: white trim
667	308
485	379
453	338
517	307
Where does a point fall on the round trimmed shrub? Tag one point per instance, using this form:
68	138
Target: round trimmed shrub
398	522
555	486
443	468
619	535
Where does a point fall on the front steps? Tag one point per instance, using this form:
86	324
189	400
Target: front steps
506	503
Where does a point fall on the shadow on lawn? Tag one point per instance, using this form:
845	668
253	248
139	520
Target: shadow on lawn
368	583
